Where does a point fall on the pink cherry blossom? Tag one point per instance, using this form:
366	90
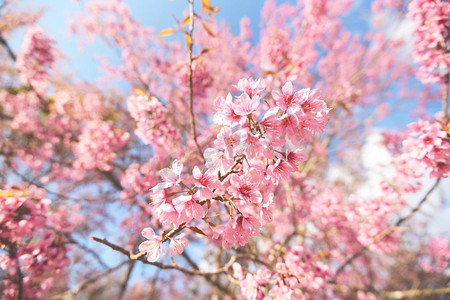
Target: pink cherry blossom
245	190
253	88
206	182
226	111
170	176
188	208
153	245
177	245
244	105
287	99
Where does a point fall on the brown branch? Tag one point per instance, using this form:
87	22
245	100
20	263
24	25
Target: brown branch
153	285
5	44
88	250
417	207
231	169
113	179
416	293
141	257
167	235
210	279
189	260
190	77
32	182
386	231
19	284
71	293
126	279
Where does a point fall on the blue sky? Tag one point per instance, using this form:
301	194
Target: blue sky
155	13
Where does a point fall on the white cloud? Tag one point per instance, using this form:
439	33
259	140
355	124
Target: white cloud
375	160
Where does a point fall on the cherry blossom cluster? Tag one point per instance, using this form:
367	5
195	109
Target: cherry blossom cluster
36	57
431	48
32	249
151	117
429	144
296	271
97	145
378	5
253	151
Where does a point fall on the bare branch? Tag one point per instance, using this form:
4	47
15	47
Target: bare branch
71	293
141	257
113	179
214	282
88	250
126	278
5	44
190	79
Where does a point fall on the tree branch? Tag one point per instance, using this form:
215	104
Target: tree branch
190	77
113	179
141	257
10	52
71	293
126	278
215	283
19	284
88	250
386	231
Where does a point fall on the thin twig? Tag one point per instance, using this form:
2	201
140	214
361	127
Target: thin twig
153	285
386	231
24	178
88	250
5	44
141	257
71	293
210	279
190	77
126	279
231	169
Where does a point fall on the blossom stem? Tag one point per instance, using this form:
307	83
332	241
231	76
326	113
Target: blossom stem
445	95
190	78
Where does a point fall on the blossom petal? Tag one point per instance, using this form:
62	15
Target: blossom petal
177	245
148	233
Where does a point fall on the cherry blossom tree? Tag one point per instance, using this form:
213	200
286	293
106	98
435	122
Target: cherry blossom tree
226	165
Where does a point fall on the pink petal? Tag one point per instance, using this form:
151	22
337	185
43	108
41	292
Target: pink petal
277	95
177	167
197	173
197	211
152	248
148	233
288	89
177	245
